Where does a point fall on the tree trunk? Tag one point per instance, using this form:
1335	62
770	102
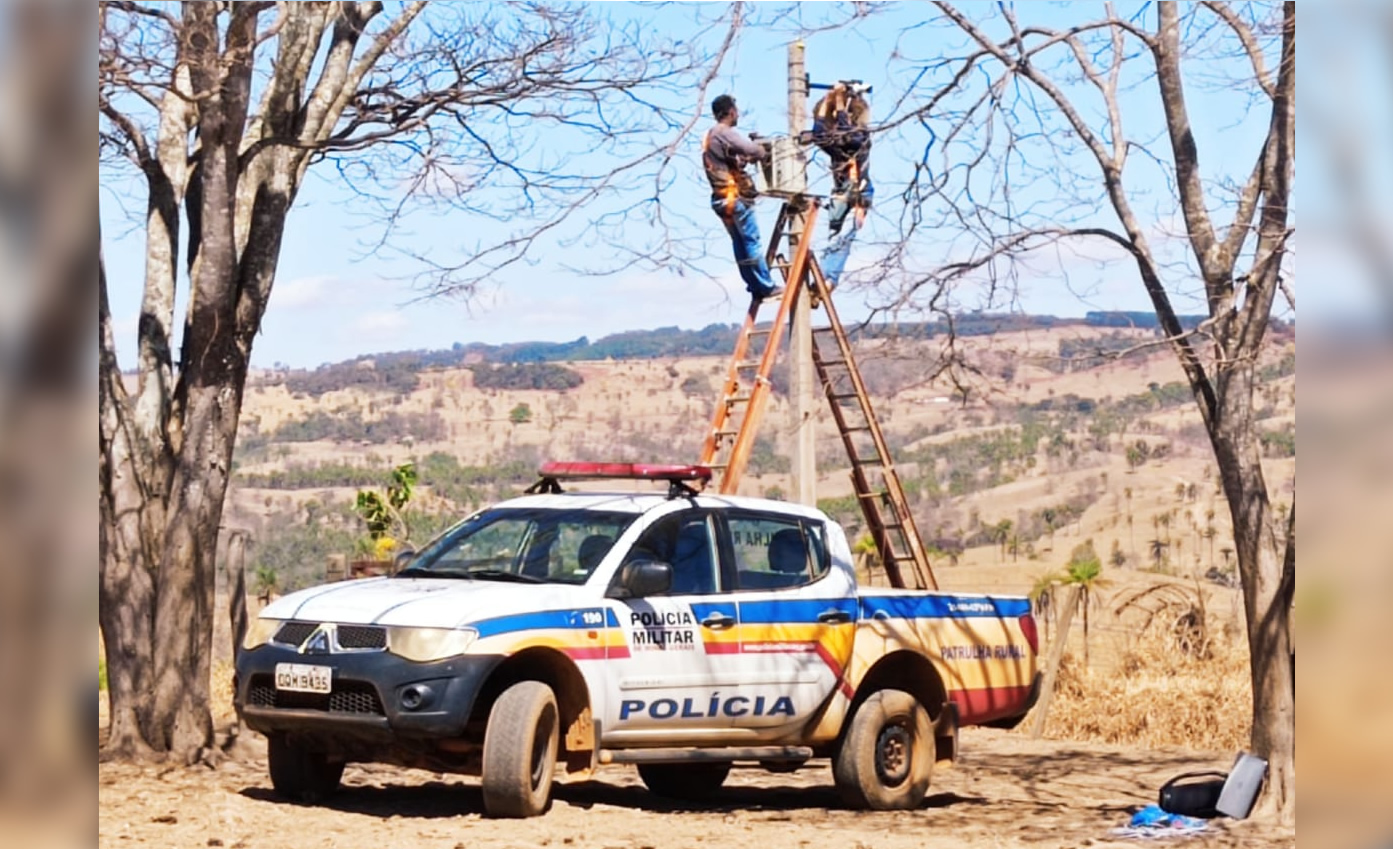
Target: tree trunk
184	607
1267	587
236	554
211	380
126	583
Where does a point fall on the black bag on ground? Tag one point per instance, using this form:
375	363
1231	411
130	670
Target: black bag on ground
1193	794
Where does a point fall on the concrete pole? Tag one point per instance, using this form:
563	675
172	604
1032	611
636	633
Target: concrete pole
800	345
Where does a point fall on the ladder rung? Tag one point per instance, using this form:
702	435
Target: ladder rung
856	428
843	396
825	363
868	461
748	364
867	496
761	332
738	399
721	433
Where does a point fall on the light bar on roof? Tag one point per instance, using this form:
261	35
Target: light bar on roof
624	471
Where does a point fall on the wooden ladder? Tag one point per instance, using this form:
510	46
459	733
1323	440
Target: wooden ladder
746	391
883	502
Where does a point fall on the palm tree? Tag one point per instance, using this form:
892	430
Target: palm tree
1001	532
1050	516
1085	570
267	582
1210	533
1042	599
1158	552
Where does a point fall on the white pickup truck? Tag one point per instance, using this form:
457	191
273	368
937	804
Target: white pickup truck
682	633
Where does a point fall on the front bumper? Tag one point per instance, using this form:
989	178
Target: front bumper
369	696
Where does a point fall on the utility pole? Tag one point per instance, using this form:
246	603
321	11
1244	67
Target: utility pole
800	345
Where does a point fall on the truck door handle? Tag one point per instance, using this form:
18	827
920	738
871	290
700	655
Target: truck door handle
834	617
717	621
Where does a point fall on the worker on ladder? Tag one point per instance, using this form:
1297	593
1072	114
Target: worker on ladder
841	129
724	154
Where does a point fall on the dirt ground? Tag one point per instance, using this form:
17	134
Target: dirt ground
1006	791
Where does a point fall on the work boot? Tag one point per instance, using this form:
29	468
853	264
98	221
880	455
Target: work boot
772	294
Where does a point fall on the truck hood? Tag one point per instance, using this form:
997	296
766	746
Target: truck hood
421	602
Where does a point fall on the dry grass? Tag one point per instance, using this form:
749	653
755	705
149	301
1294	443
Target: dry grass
1157	696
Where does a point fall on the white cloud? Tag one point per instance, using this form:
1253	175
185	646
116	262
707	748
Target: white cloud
380	325
304	292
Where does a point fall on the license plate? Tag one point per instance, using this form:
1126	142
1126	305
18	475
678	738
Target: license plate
303	678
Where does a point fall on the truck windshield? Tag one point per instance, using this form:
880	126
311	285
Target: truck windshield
523	545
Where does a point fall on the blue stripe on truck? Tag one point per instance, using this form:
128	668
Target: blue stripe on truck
774	611
539	620
942	607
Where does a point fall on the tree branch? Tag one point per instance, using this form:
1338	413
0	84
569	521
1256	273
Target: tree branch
1249	42
1192	201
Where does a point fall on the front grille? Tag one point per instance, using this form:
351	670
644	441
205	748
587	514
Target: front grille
357	697
347	637
362	637
295	633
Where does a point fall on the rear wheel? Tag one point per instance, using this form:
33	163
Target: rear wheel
520	746
689	782
300	774
886	757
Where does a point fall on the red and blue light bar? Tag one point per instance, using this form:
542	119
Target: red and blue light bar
679	477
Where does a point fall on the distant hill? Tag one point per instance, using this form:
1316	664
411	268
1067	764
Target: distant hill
519	365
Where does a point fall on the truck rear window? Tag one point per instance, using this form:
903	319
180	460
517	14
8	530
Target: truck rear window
776	552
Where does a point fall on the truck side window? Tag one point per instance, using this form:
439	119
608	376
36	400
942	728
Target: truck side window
685	541
776	552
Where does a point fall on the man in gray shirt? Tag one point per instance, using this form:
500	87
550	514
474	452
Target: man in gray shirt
724	154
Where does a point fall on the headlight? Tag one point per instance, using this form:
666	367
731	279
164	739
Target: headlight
427	644
259	632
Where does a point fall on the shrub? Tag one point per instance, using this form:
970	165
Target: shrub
540	376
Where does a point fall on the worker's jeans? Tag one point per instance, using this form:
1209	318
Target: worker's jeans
744	238
835	254
839	244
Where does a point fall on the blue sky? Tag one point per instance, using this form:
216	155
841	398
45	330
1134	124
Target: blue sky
334	300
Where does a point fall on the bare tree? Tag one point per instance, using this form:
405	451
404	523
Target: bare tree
1045	139
218	111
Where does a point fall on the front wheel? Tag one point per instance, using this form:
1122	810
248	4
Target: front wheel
688	782
886	757
300	774
520	745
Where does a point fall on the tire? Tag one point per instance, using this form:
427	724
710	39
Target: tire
520	746
687	782
300	774
887	754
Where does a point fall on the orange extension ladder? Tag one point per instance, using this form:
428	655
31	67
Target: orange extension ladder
745	393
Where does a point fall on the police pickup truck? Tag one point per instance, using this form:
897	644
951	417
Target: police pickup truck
682	633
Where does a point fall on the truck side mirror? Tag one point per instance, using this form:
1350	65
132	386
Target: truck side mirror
642	578
402	558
